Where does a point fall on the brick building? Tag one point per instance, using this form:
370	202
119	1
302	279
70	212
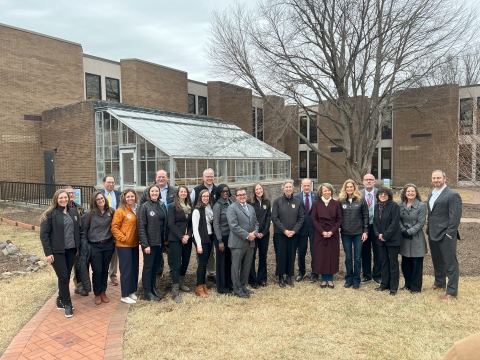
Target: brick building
52	94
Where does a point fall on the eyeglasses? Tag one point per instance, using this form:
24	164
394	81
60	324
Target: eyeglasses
241	195
225	191
368	179
71	193
382	194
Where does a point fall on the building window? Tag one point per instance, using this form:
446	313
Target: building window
386	163
257	123
312	165
374	170
191	104
387	115
303	128
466	116
335	149
112	87
303	164
254	122
313	129
465	160
202	105
93	86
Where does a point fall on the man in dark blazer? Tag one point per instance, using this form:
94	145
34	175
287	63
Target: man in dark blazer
243	231
444	214
369	193
307	231
113	197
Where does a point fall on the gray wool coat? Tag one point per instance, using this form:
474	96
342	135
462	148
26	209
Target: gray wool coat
412	220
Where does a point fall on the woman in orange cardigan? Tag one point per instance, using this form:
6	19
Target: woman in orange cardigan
124	229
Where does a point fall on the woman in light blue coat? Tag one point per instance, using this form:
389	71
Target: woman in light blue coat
413	213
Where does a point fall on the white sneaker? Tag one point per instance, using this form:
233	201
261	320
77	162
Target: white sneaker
133	296
127	300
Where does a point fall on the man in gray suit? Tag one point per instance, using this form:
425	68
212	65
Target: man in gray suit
243	231
444	214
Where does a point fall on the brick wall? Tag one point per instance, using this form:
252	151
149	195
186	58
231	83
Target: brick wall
431	115
231	103
37	72
71	129
155	86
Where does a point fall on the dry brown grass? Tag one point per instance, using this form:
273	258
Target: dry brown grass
23	296
304	322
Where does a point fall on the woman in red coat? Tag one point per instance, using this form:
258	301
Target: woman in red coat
327	219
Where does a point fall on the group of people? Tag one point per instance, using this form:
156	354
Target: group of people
170	220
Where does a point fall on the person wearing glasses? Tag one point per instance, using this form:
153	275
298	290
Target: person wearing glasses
202	224
386	225
369	193
221	231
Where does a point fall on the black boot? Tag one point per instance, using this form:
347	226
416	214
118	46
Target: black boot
156	293
290	281
148	295
281	281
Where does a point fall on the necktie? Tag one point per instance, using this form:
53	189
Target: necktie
109	198
307	203
246	209
369	199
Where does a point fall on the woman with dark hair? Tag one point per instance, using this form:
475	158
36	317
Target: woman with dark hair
413	213
287	218
124	228
386	225
263	211
202	219
354	230
327	219
222	231
180	239
60	237
96	230
152	230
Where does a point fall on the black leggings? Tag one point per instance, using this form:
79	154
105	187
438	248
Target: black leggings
202	263
63	264
180	257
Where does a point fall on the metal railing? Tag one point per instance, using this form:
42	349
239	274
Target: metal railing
41	194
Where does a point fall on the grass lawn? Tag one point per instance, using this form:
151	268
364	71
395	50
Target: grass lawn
23	296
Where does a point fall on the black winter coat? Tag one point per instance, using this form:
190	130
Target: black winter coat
287	214
52	234
151	231
389	225
178	224
355	217
264	215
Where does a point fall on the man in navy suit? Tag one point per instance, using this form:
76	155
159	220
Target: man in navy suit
307	231
369	193
113	197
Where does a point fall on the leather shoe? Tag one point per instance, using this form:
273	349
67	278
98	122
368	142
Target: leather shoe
242	295
200	292
331	286
448	297
263	284
323	286
247	291
149	296
114	282
81	292
313	278
281	281
290	281
380	288
254	285
104	297
97	300
347	285
156	293
393	292
365	280
300	277
356	286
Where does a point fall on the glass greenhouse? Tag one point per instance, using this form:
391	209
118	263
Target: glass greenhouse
131	145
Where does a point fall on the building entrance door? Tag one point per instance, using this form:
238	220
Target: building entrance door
128	169
49	170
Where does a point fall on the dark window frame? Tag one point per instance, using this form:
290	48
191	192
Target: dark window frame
303	128
465	117
110	95
190	96
87	75
200	112
302	171
313	130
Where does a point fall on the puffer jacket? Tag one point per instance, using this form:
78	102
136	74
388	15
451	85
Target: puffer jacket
355	217
124	227
152	231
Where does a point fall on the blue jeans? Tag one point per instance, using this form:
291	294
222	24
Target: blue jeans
352	276
327	277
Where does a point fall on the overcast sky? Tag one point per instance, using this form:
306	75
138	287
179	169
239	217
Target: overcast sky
167	32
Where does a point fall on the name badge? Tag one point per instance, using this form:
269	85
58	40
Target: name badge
129	216
293	206
344	206
264	207
152	213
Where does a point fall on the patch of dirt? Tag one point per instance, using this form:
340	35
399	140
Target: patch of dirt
9	264
471	210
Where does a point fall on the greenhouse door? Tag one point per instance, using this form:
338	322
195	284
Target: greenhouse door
128	169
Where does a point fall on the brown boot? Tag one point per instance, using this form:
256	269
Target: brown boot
104	297
208	292
200	292
97	300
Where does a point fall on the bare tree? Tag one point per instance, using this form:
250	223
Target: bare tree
339	60
462	69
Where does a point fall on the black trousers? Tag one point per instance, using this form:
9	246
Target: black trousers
367	247
261	275
223	266
390	269
285	250
63	264
180	257
151	262
100	256
128	263
302	249
412	269
202	263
